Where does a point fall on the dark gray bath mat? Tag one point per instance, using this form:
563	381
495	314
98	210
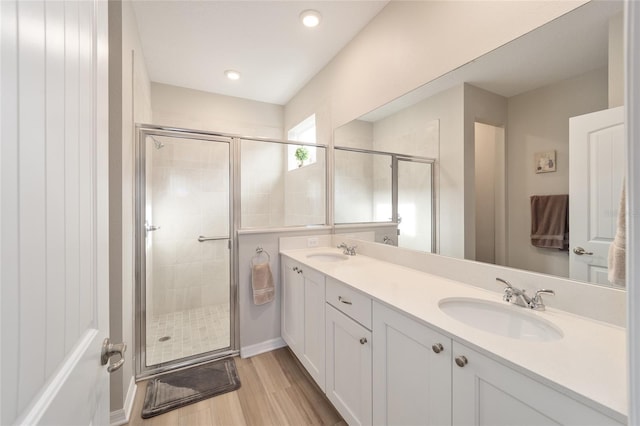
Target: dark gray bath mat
185	387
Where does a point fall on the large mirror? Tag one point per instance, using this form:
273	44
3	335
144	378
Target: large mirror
499	131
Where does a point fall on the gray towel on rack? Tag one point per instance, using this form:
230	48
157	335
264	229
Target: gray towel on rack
550	221
262	283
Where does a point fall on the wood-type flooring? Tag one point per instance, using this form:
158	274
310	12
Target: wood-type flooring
275	391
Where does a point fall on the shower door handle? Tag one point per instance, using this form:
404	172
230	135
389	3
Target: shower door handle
149	228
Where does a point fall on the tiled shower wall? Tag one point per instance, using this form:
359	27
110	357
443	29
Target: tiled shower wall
354	173
189	193
262	184
304	194
354	184
273	196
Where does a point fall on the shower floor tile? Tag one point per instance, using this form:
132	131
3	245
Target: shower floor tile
190	332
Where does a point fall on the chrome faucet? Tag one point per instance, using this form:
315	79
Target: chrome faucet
349	250
519	297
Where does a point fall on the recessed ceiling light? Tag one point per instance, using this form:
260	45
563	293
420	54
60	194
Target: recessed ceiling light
310	18
232	74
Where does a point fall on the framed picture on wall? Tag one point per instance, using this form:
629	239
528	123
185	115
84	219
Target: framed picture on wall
545	162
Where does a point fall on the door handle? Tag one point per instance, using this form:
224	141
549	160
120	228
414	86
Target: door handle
580	251
110	349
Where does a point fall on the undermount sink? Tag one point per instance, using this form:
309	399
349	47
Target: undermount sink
328	257
501	319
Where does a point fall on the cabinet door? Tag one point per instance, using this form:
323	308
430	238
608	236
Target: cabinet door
486	392
292	311
411	371
313	352
348	367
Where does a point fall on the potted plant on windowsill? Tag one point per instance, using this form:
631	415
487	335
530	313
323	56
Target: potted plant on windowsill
301	154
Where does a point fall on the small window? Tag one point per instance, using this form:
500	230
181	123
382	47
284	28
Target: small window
302	155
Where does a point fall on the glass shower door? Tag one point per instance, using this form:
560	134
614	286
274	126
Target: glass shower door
415	205
187	277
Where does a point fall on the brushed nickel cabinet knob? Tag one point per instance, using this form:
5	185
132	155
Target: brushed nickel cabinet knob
461	361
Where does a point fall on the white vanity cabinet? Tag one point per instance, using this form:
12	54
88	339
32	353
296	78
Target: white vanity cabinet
348	323
302	312
411	371
486	392
379	365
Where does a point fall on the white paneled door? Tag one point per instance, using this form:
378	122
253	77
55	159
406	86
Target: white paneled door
54	212
596	172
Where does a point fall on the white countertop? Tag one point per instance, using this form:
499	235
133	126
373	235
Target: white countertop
589	363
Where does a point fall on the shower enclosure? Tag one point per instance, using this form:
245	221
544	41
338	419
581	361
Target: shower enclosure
185	293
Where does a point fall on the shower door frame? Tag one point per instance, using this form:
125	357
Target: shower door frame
142	371
397	160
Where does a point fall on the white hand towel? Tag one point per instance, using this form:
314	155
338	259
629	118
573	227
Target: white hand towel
618	248
262	283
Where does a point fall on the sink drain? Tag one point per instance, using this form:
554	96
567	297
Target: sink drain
164	338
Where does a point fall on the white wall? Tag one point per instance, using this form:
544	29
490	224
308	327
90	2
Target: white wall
489	181
129	103
535	127
616	61
488	108
194	109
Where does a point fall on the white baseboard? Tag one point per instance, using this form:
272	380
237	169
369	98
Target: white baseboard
262	347
121	417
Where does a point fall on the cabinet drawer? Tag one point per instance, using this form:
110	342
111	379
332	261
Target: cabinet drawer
349	301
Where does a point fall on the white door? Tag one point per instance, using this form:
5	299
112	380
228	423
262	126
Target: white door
596	172
54	212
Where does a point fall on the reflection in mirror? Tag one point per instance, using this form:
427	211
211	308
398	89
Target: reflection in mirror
364	182
378	187
415	205
489	123
276	195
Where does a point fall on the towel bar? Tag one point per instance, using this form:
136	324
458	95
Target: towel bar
203	239
259	252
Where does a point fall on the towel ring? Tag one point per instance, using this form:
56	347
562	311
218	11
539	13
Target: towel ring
259	252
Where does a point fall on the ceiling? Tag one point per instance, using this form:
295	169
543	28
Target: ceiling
191	43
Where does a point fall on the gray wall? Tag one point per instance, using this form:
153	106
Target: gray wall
535	127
